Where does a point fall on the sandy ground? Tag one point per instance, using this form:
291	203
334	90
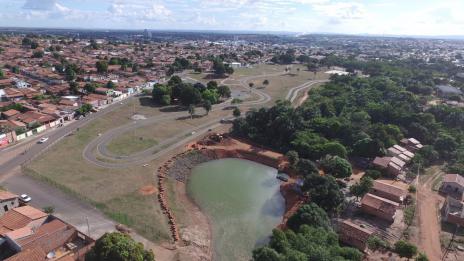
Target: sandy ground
429	226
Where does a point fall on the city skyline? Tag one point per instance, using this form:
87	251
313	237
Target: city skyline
383	17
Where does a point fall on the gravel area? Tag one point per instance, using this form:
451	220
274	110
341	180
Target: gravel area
183	164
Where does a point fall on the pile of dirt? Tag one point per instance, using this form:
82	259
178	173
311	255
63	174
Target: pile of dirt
148	190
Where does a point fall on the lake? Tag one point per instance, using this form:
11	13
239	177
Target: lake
243	201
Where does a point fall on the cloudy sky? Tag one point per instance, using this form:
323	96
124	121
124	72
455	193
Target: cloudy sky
399	17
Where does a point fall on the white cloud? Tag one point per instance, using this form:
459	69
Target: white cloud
342	10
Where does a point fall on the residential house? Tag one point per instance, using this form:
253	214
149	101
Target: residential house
453	211
391	165
411	144
379	207
8	201
388	191
453	185
353	234
446	91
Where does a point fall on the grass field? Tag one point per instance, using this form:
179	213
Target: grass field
114	191
130	143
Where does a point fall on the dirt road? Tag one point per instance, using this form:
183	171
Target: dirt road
429	224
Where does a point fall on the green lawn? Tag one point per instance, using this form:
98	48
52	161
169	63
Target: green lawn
130	143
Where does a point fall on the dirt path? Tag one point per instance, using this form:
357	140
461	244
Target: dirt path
429	225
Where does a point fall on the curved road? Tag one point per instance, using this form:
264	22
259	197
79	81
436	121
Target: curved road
107	159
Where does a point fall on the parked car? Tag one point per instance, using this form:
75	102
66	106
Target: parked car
43	140
25	198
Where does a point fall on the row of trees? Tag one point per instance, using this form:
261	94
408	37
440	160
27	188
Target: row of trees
189	94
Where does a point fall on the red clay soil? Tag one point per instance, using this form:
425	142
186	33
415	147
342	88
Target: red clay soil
429	225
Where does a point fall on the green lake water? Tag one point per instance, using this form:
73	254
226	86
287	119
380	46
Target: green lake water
243	201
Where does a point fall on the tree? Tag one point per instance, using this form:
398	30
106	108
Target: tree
34	45
207	106
306	167
118	246
422	257
74	87
2	74
90	87
191	110
375	243
293	157
266	254
49	210
110	85
174	80
224	91
218	67
324	191
166	99
212	85
405	249
70	74
309	214
266	82
236	112
159	91
38	54
210	95
251	85
190	95
336	166
361	188
102	66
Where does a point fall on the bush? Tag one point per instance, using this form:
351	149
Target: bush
373	174
405	249
422	257
375	243
412	189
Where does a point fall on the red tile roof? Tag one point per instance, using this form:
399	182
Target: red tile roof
33	254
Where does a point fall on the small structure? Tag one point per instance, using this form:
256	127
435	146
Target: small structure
379	207
446	91
388	191
453	186
7	201
353	234
391	165
411	144
453	211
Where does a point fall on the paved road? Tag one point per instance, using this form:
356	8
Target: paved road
68	208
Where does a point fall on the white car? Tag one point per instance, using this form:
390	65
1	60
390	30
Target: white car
43	140
25	198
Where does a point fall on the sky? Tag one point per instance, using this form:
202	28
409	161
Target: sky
380	17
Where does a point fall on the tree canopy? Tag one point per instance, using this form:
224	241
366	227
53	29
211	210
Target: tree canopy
118	247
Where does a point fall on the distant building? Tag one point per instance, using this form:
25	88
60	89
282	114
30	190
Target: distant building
447	91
